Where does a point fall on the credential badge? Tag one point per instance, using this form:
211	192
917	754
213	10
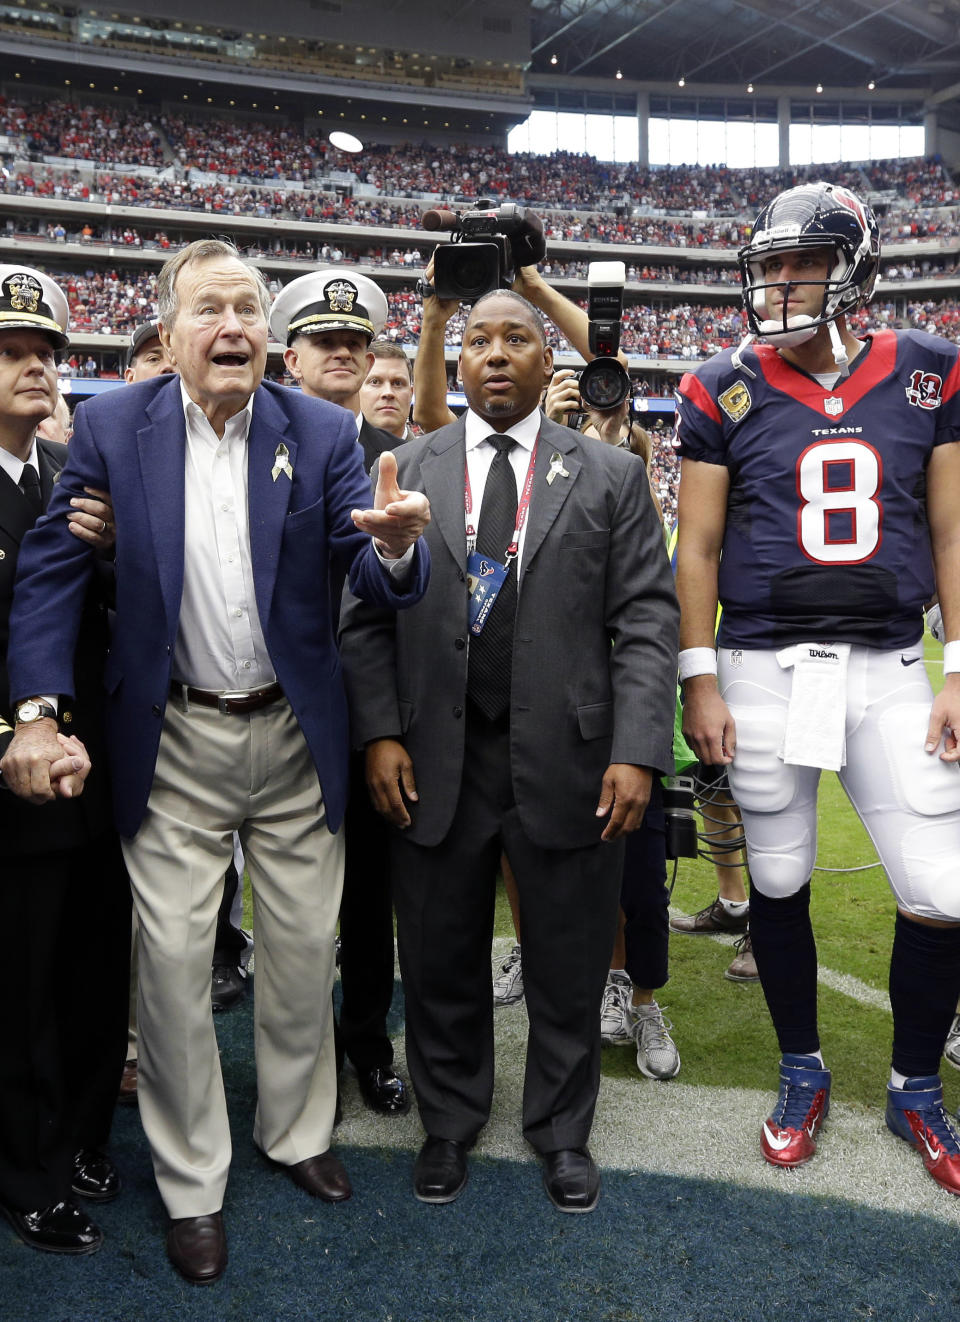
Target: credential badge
735	401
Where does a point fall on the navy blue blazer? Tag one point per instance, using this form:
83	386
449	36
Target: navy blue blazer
303	542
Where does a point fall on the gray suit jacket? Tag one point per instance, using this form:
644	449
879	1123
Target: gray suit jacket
595	643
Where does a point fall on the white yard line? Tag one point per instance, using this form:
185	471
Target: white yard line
688	1131
844	983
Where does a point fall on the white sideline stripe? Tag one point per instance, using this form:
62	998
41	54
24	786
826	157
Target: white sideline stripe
848	985
844	983
684	1130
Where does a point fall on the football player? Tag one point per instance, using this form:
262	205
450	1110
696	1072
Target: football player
820	502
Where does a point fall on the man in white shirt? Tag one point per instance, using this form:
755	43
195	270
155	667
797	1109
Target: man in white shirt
235	529
508	722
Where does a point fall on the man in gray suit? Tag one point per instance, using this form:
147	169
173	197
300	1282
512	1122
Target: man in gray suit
540	737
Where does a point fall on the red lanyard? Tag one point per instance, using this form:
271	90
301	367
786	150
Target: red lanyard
523	507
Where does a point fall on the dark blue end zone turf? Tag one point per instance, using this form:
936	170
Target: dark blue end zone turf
656	1248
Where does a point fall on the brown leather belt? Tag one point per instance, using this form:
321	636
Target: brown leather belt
228	704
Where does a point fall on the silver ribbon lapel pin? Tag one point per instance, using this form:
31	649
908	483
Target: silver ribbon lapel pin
283	464
556	468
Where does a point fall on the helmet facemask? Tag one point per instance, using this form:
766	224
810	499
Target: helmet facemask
811	216
789	330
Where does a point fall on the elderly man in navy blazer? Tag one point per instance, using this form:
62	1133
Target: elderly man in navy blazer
240	509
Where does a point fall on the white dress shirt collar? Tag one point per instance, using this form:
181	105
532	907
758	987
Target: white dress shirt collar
13	466
238	425
524	432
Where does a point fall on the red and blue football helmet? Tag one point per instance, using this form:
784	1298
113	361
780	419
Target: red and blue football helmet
817	215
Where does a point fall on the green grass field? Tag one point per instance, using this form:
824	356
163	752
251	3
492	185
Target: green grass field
722	1028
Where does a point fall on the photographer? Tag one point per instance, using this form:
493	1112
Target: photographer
430	408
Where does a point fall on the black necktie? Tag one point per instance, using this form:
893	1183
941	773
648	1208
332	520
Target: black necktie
29	484
491	651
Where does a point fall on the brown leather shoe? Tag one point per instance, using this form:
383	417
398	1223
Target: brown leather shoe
197	1247
323	1177
127	1096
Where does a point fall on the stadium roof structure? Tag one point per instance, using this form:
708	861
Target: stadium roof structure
892	60
790	45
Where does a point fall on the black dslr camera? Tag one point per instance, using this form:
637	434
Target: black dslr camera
486	247
605	382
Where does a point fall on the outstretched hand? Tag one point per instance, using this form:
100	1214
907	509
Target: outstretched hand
398	517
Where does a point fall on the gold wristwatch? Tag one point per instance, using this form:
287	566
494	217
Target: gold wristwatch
33	709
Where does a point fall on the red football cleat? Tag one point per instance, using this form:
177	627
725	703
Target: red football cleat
788	1134
916	1114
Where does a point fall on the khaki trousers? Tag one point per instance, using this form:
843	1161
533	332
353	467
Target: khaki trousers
216	774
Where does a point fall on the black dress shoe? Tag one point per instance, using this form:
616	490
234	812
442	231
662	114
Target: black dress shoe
228	985
63	1228
323	1176
197	1247
94	1176
571	1179
383	1090
440	1171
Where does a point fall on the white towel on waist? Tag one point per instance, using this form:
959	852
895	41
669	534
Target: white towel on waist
815	734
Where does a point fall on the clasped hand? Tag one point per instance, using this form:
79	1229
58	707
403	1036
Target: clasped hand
41	764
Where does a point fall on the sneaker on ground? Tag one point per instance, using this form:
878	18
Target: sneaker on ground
657	1054
744	966
951	1048
788	1135
916	1114
508	983
714	918
616	1016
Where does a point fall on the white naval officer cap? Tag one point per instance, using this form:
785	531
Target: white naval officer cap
328	300
30	300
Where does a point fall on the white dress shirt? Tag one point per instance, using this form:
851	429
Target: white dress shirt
480	454
220	643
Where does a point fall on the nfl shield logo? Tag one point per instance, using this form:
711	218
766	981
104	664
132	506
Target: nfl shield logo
833	406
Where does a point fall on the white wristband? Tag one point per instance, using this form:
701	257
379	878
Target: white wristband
703	661
951	658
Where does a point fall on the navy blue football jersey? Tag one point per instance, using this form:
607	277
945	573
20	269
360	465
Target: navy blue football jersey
826	534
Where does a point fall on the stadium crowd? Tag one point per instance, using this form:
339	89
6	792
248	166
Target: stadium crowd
256	151
272	203
340	334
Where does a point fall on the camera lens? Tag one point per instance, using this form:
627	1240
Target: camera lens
472	272
604	383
